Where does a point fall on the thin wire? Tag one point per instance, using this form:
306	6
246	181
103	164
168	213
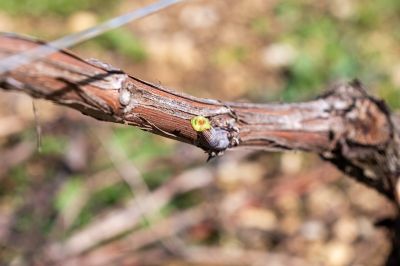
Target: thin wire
31	55
37	127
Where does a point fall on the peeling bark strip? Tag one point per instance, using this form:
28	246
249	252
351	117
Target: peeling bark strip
347	127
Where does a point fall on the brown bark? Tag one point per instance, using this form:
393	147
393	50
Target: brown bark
346	126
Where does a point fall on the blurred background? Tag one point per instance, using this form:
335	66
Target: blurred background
105	194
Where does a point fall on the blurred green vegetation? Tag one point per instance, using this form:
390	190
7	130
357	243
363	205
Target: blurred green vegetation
123	42
68	192
53	145
105	198
260	26
54	7
331	48
119	40
227	56
328	48
139	145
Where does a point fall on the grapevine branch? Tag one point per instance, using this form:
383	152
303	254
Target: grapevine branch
346	126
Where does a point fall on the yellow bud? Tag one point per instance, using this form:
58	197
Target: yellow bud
200	123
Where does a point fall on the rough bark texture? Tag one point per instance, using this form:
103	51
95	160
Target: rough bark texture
346	126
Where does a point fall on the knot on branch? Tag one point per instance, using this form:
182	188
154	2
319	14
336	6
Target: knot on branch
365	120
368	124
362	138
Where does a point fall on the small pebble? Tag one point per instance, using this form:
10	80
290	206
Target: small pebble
233	174
278	55
395	76
199	17
339	254
346	229
313	230
343	9
6	23
257	218
81	20
291	162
